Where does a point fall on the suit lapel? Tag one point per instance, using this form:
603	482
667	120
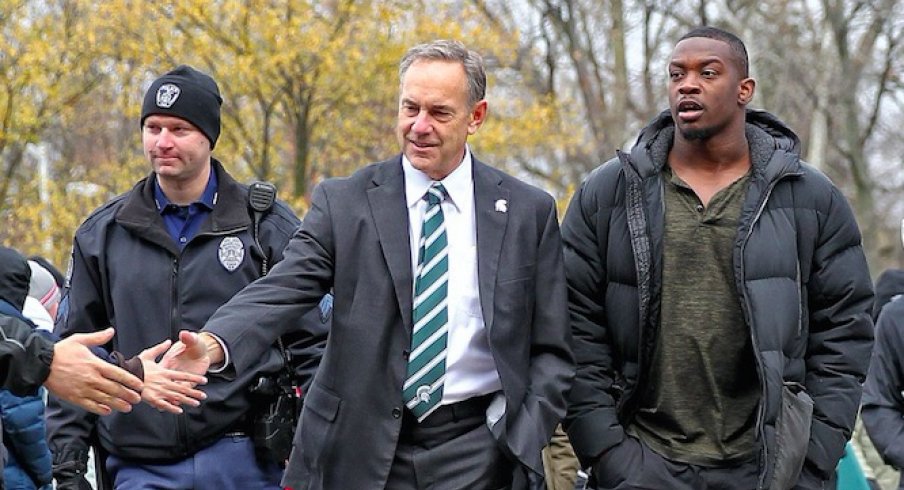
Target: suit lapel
388	207
490	212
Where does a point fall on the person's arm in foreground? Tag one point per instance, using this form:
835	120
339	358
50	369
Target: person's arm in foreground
68	369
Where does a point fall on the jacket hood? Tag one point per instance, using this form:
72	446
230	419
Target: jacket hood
889	285
766	135
14	277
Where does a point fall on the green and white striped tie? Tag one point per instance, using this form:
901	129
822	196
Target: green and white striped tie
423	388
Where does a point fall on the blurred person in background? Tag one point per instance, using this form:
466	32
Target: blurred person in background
882	411
28	463
44	297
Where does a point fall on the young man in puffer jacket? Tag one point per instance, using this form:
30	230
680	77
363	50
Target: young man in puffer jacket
719	297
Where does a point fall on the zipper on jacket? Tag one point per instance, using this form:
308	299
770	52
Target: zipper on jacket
627	403
175	324
761	411
182	422
800	305
174	310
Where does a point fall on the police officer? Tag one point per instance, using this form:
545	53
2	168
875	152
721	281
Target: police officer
159	259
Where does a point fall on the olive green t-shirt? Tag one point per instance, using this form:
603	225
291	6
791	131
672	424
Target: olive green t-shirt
700	404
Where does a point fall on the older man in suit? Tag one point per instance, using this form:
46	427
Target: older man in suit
449	354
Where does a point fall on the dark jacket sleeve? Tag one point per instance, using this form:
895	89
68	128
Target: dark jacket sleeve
25	357
23	434
551	359
306	345
294	286
592	422
841	333
883	401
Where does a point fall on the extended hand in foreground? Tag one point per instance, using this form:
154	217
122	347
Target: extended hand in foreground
80	377
167	389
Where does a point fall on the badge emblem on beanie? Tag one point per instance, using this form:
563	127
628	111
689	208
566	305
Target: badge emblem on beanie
231	253
187	94
167	95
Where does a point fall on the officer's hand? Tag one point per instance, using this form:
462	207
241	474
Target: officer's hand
167	389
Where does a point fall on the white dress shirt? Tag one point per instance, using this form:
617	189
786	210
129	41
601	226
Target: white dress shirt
470	368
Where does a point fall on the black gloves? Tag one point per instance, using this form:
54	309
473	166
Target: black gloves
69	468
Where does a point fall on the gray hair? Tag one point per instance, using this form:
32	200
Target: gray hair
448	50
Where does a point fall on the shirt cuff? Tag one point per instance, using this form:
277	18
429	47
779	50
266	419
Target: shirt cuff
223	365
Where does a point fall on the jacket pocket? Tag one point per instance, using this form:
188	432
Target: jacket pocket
792	435
321	409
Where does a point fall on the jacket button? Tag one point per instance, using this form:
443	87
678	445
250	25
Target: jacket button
396	412
406	353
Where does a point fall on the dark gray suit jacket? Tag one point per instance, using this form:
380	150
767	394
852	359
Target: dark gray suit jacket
354	240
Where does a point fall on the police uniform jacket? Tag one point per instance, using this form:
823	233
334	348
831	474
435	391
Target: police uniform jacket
127	272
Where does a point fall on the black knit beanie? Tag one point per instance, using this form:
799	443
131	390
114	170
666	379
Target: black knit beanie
188	94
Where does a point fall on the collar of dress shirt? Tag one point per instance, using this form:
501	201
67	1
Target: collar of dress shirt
459	184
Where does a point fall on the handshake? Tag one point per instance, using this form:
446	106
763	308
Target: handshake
78	376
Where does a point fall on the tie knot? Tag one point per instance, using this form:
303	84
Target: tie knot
435	194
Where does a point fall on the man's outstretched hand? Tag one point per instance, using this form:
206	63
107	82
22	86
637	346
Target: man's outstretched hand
190	354
80	377
167	389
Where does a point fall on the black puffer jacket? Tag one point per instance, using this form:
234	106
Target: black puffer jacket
128	272
804	288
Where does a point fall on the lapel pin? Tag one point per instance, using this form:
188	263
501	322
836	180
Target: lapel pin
502	206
